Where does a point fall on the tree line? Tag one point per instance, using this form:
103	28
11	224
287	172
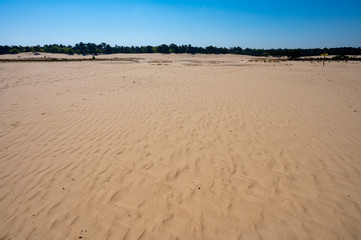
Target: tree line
103	48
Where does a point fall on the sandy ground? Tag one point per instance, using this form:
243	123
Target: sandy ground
180	147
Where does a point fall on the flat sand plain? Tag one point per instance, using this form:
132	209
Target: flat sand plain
180	147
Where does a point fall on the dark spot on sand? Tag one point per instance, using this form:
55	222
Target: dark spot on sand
199	188
15	124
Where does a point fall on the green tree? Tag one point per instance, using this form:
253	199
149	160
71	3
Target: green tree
163	49
294	54
173	48
69	51
14	51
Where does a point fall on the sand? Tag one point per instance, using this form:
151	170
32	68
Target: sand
180	147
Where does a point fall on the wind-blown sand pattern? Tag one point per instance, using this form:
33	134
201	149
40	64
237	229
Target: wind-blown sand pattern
180	147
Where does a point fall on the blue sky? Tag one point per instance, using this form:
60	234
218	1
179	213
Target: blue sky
253	24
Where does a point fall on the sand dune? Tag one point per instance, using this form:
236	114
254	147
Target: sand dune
180	147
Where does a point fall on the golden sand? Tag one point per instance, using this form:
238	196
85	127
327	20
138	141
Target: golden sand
180	147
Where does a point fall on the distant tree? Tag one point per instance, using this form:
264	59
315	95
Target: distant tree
294	54
191	49
92	48
103	46
37	48
69	51
108	49
236	50
138	50
14	51
28	49
163	49
117	49
173	48
210	50
147	49
4	49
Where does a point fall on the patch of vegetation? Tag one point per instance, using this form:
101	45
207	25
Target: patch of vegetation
341	57
103	48
294	54
14	51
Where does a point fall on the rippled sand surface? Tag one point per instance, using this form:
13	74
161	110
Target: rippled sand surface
180	147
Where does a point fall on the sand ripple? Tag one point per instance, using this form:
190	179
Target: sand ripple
146	151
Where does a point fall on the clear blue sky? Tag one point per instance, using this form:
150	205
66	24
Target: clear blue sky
252	23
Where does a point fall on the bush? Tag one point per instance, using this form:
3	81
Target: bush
14	51
69	51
